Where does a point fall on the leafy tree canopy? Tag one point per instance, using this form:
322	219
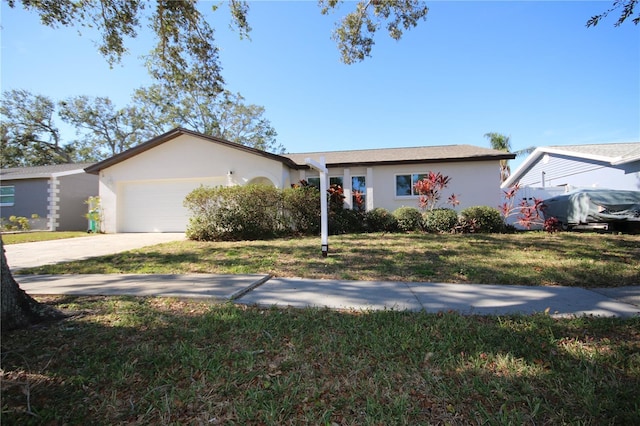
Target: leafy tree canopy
104	130
29	136
624	7
224	115
185	52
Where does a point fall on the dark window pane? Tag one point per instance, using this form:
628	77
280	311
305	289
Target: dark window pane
403	185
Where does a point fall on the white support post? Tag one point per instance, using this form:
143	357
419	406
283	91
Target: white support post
321	167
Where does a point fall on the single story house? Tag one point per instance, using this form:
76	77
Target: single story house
607	166
143	188
56	193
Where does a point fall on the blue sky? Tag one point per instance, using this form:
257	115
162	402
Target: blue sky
531	70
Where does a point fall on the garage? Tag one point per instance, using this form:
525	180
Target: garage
156	206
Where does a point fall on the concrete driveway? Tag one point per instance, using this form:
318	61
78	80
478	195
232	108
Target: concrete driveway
28	255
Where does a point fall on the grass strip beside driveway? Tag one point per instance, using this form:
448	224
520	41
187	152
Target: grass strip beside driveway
531	258
35	236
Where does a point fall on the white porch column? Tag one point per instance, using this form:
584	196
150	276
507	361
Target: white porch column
347	185
369	189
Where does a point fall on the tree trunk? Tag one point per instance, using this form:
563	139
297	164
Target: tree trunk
17	308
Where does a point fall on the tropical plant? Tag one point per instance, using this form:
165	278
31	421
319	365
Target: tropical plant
429	190
501	142
527	212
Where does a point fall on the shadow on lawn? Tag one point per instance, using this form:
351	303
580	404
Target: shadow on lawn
149	360
576	260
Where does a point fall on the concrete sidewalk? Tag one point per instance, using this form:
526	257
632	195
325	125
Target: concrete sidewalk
359	295
219	287
263	291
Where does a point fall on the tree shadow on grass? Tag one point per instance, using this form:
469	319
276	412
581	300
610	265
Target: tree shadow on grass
153	360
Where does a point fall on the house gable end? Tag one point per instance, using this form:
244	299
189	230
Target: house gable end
619	156
173	134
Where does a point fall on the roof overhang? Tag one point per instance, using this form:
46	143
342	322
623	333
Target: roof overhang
172	134
420	161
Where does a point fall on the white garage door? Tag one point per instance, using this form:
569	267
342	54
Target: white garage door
155	206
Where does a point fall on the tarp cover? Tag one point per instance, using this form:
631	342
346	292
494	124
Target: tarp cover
584	206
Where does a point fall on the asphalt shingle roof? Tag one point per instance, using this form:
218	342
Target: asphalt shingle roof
39	171
421	154
612	151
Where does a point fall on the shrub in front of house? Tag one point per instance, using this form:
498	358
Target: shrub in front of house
440	220
301	206
17	223
380	220
235	213
346	221
482	219
408	218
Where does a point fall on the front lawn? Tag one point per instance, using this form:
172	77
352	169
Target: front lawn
125	360
532	258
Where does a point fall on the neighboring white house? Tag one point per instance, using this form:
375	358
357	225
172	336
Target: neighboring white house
610	166
555	170
142	189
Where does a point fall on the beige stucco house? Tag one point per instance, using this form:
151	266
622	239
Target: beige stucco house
142	189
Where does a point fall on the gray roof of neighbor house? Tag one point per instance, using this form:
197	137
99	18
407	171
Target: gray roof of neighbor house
613	154
411	155
39	172
388	156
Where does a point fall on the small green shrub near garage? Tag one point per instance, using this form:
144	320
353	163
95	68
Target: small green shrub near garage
251	212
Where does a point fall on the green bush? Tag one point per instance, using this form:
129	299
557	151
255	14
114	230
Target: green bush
17	223
302	209
481	219
235	213
380	220
346	221
440	220
409	218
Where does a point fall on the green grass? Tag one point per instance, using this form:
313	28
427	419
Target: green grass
33	236
531	258
145	361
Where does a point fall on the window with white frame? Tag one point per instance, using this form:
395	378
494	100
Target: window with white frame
7	195
405	184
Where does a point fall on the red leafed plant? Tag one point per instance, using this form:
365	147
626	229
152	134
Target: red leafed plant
527	212
358	200
429	190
